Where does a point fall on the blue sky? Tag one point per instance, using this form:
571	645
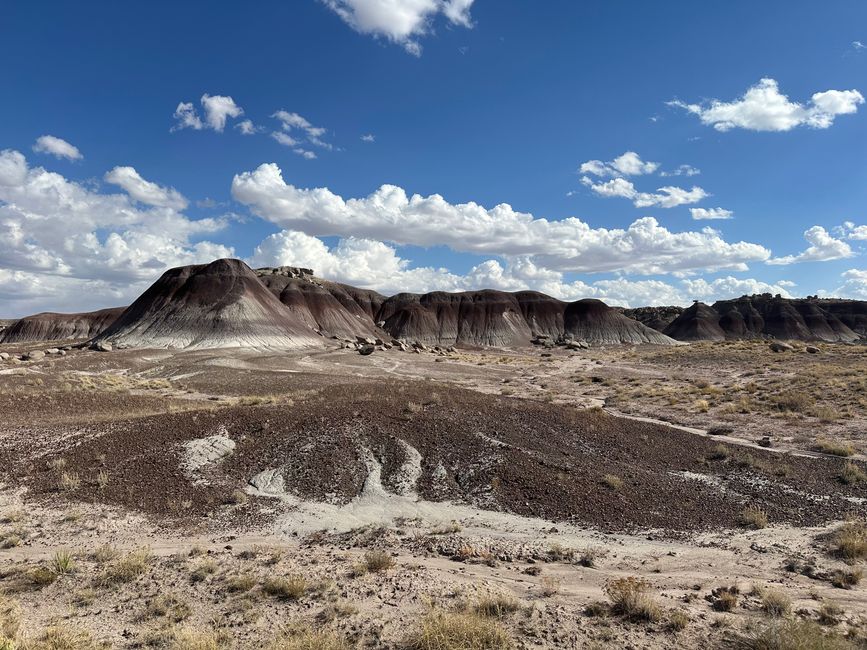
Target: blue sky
480	102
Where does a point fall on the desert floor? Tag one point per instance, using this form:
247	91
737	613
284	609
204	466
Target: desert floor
710	495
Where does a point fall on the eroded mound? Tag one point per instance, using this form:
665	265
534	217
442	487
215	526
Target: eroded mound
420	442
221	304
50	326
593	321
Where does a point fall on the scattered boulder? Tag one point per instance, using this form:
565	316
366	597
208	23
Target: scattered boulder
4	356
365	349
367	340
52	351
812	349
34	355
779	346
101	346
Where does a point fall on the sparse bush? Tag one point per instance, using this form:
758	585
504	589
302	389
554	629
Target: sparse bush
849	541
168	606
558	553
104	553
851	474
753	517
457	631
725	599
701	405
68	482
613	482
846	579
240	583
63	637
833	447
291	587
550	585
447	529
596	609
203	570
10	617
127	568
237	498
307	639
496	605
378	561
41	576
63	563
588	557
102	479
719	452
794	401
629	598
776	603
794	635
197	639
830	614
678	620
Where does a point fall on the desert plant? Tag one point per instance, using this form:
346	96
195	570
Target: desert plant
127	568
549	585
168	606
68	482
793	635
629	598
378	561
454	631
834	448
291	587
203	570
753	517
63	636
197	639
303	638
725	599
719	452
63	563
678	620
830	613
849	541
10	617
612	482
776	603
851	474
846	578
496	605
240	583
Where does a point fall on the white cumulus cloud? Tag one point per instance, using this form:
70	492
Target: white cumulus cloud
823	248
389	214
217	109
57	147
128	179
629	164
700	214
664	197
764	108
400	21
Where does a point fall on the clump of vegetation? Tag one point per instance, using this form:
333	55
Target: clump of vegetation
851	474
725	599
453	631
378	561
630	598
291	587
596	609
63	563
168	606
559	553
62	637
719	452
303	638
776	603
41	576
197	639
701	405
550	585
678	620
240	583
793	401
833	447
588	556
794	635
127	568
846	579
849	541
447	529
10	618
753	517
830	614
496	605
613	482
203	570
68	482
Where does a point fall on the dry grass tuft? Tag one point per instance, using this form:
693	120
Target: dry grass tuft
678	619
613	482
753	517
776	603
833	447
378	561
629	598
291	587
849	541
457	631
127	568
63	636
794	635
496	605
63	563
851	474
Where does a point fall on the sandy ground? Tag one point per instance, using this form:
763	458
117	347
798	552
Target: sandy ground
213	568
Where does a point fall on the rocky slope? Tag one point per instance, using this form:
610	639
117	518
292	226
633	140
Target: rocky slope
766	316
221	304
593	321
50	326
